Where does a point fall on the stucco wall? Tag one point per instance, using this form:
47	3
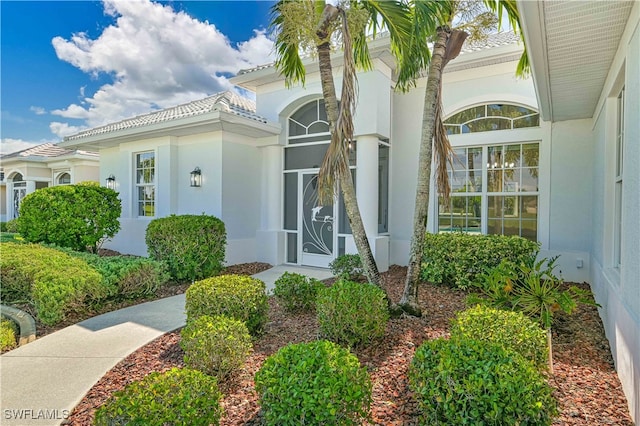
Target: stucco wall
617	290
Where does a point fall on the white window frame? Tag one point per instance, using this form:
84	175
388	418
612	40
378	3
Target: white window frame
137	185
618	173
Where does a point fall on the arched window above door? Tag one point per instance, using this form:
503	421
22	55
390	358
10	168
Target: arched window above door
489	117
310	119
64	179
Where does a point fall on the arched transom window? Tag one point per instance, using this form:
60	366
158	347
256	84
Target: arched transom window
308	123
488	117
64	179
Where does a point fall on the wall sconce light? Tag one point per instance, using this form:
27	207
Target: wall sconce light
196	177
111	182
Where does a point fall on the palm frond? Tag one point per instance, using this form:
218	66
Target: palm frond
513	15
288	60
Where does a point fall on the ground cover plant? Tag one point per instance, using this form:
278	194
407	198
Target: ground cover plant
8	333
584	381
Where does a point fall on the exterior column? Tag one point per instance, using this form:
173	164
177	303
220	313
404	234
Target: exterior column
270	239
367	184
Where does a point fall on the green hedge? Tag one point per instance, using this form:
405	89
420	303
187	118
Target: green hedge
193	247
470	382
456	259
236	296
511	330
352	313
176	397
75	216
54	282
127	277
317	383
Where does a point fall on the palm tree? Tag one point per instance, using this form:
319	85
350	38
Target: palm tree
434	143
316	26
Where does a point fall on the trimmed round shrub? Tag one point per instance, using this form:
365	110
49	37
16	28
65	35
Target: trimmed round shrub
236	296
347	266
317	383
463	381
352	313
512	330
192	246
53	282
77	216
176	397
217	346
297	292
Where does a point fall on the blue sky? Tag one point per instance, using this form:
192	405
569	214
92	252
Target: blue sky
69	65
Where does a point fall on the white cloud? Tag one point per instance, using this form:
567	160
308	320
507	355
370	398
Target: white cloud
37	110
64	129
8	145
157	58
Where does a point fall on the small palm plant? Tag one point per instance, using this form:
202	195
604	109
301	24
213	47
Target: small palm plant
531	288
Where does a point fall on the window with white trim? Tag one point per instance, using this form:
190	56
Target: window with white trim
64	179
617	229
488	117
145	186
494	190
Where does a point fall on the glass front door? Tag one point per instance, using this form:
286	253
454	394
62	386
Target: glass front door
318	230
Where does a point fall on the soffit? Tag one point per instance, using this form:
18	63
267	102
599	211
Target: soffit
576	42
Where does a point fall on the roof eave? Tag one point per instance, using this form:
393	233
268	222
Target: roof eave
533	27
209	122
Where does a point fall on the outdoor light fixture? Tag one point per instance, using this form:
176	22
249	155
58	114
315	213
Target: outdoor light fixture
111	182
196	177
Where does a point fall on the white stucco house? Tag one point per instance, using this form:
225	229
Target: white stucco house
41	166
554	158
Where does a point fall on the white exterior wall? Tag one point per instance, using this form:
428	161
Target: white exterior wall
570	194
617	290
241	186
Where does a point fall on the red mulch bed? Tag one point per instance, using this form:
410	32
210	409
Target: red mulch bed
587	387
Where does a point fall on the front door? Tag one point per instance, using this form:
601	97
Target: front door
19	192
318	229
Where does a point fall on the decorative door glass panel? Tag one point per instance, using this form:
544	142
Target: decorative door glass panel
317	219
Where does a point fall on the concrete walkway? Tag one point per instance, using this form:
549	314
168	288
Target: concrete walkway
40	383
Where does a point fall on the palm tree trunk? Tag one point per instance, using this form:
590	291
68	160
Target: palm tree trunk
345	180
409	301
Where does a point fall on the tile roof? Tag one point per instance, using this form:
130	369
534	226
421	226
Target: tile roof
47	150
493	40
228	101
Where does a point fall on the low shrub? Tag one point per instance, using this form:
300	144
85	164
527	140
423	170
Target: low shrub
352	313
193	247
317	383
53	282
347	266
456	259
464	381
8	331
77	216
512	330
126	277
176	397
236	296
11	226
217	346
297	292
3	226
